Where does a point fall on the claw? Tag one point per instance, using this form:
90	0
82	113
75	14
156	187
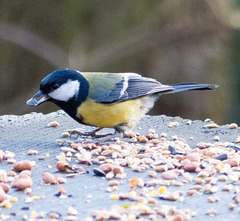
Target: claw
91	133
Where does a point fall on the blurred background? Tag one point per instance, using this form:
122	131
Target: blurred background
172	41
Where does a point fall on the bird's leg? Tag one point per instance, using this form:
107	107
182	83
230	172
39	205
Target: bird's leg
91	133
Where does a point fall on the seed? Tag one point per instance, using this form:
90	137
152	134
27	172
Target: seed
162	189
151	200
28	172
173	124
9	154
160	168
207	120
152	174
72	211
101	158
106	167
133	140
53	124
163	135
203	173
62	166
237	140
151	131
233	162
169	175
222	178
198	180
98	172
191	192
212	199
3	176
68	149
236	198
212	125
49	178
233	126
32	152
107	152
65	134
211	180
2	155
222	157
206	188
11	161
233	177
113	183
213	189
196	187
41	157
60	142
113	197
169	196
109	175
22	182
28	190
14	199
209	153
185	161
3	195
23	165
117	170
54	215
191	167
142	139
121	176
155	141
133	182
5	187
61	180
227	187
71	175
212	213
231	206
136	168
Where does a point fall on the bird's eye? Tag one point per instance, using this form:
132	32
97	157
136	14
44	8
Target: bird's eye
55	86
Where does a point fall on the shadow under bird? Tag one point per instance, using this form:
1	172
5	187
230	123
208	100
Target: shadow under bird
105	100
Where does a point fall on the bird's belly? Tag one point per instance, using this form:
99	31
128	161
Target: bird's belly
110	115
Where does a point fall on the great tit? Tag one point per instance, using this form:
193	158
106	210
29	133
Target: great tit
105	100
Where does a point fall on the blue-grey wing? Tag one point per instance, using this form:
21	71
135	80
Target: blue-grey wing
119	87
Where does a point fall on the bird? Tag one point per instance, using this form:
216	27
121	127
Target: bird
105	100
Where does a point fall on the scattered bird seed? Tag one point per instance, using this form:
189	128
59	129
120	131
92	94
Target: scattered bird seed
53	124
99	172
32	152
173	124
211	125
222	157
207	120
233	126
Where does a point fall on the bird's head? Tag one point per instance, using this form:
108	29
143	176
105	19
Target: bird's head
61	86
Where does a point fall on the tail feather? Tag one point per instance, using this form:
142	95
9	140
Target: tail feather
191	86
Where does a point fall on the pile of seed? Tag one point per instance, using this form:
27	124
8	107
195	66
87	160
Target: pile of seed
172	158
166	161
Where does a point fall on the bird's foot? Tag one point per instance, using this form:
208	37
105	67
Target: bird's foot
90	134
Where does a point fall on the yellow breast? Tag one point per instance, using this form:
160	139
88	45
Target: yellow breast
110	115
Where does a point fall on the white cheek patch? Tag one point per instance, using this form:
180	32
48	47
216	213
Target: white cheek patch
66	91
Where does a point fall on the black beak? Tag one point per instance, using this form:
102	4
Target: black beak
33	102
